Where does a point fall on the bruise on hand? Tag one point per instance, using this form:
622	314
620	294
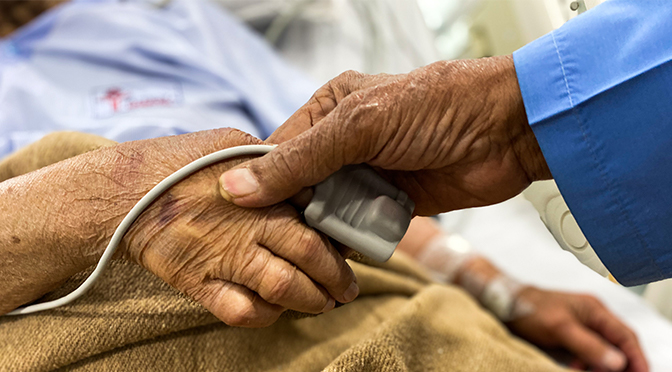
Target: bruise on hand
168	210
183	205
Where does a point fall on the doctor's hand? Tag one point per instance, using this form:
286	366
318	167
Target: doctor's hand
451	134
582	325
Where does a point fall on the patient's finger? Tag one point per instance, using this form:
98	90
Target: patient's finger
590	347
314	255
613	330
236	305
278	282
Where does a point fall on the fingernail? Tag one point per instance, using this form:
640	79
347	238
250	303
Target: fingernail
351	293
329	306
614	360
236	183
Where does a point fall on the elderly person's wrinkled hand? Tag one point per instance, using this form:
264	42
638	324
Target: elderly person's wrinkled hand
432	132
245	266
582	325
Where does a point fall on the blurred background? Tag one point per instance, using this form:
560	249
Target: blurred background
326	37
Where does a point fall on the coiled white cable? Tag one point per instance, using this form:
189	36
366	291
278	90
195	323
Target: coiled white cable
136	211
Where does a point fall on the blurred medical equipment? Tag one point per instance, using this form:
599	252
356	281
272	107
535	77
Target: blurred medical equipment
327	37
659	294
554	212
479	28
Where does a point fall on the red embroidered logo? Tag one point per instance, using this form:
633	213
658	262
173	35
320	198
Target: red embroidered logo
114	96
119	99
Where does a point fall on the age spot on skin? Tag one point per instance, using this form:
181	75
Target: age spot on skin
15	240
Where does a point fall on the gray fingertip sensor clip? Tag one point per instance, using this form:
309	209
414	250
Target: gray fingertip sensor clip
361	210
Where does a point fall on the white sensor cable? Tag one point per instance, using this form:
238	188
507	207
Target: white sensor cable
136	211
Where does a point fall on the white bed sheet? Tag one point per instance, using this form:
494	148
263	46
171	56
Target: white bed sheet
514	238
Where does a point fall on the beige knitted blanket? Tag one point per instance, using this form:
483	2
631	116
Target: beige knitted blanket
132	321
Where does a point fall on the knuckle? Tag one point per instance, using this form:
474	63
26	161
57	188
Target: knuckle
356	114
329	95
592	301
366	104
198	292
348	76
248	266
230	135
332	267
281	285
312	248
558	326
243	316
321	104
362	114
279	169
275	227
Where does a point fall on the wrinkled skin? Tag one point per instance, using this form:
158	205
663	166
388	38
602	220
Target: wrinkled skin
244	265
582	325
451	134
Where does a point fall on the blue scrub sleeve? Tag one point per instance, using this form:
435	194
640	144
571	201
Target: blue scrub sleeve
598	96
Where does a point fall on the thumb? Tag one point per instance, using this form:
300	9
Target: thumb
300	162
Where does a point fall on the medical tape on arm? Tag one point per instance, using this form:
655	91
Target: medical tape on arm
501	297
445	256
